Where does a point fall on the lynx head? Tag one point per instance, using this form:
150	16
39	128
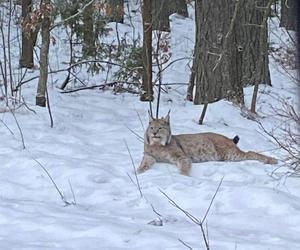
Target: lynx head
158	131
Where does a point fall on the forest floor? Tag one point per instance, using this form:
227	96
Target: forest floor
257	206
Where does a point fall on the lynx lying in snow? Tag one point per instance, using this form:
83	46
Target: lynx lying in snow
161	146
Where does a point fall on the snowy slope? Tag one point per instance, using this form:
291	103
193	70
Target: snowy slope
86	152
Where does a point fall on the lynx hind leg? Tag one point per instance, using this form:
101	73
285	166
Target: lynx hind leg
239	155
146	163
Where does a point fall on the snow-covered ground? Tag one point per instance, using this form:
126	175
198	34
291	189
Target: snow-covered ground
86	155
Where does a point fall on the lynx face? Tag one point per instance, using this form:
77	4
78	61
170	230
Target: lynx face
158	132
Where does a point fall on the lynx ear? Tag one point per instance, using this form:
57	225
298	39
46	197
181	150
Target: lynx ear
167	118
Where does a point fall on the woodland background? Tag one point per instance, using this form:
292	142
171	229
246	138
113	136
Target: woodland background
77	79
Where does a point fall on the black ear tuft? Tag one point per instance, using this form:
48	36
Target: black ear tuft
236	139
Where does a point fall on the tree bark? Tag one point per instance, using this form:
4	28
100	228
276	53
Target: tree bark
217	72
26	60
248	35
162	9
115	10
190	89
288	14
262	43
44	57
179	7
147	88
160	15
88	44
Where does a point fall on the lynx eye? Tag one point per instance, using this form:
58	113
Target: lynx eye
160	128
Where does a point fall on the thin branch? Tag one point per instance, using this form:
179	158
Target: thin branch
185	244
73	194
80	11
134	169
67	203
67	69
212	200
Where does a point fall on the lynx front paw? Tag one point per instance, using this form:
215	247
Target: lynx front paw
185	172
142	170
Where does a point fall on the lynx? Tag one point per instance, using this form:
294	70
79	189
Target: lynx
184	149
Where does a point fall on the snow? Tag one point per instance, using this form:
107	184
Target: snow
85	153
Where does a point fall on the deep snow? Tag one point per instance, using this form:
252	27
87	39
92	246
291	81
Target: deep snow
86	152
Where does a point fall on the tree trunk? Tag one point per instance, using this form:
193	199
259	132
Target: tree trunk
162	9
248	37
288	14
160	15
179	7
26	60
44	54
88	44
147	88
115	10
218	73
262	44
190	89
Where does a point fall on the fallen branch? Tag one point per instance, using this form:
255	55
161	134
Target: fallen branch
102	86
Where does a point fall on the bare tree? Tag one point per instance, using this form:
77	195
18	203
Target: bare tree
160	15
88	43
162	9
147	87
260	58
46	9
288	14
115	10
26	60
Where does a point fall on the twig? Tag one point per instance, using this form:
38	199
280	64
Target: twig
49	108
19	128
134	169
159	75
73	194
109	84
193	218
185	244
212	200
67	69
67	203
140	138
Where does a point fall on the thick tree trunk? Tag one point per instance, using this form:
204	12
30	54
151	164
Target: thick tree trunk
26	60
88	45
262	44
162	9
44	61
115	10
288	14
147	88
160	15
217	72
250	17
179	7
